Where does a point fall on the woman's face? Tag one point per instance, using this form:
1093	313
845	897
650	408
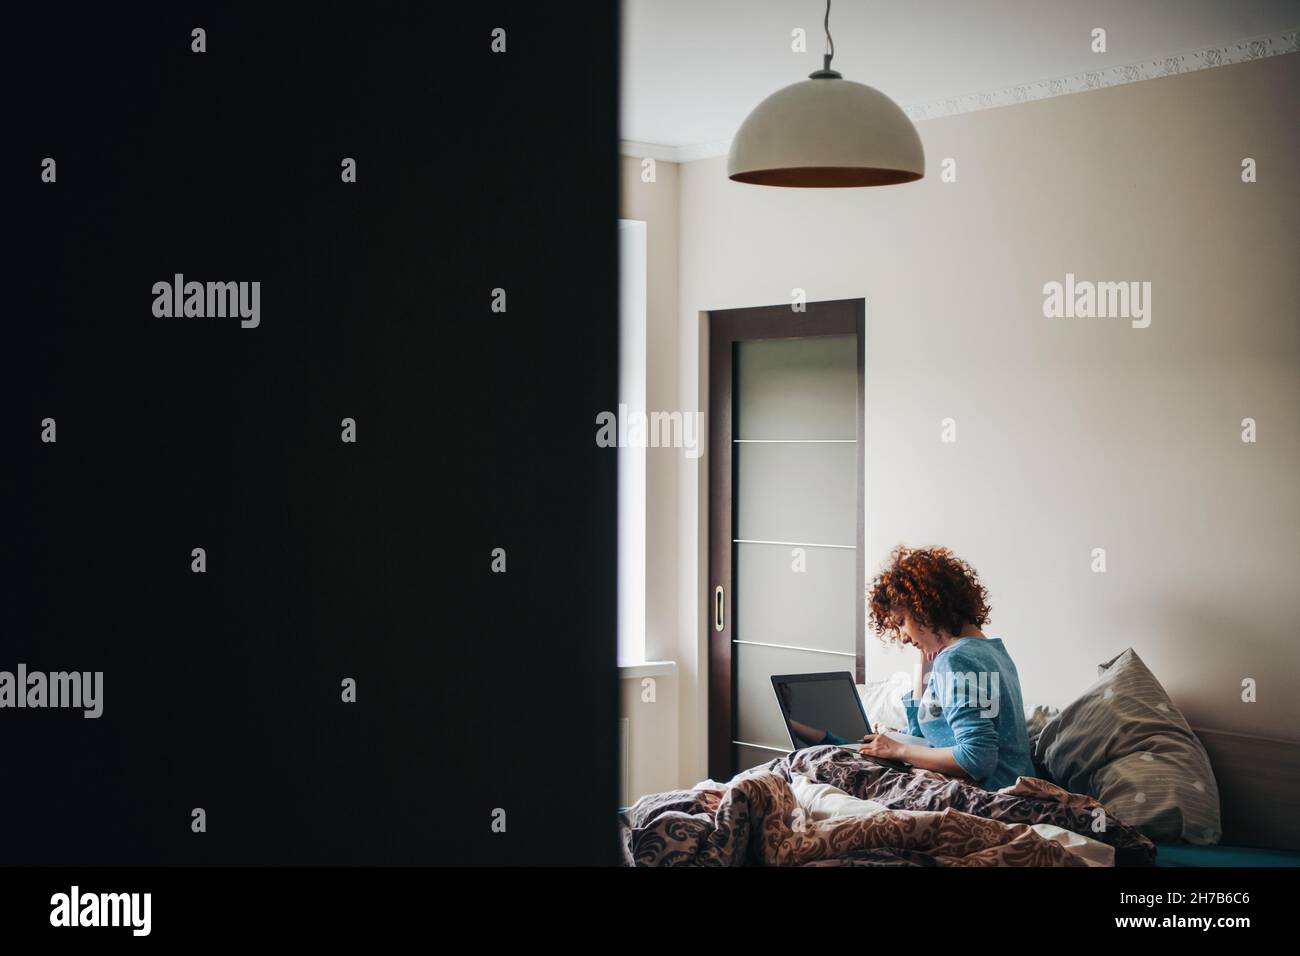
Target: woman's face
910	631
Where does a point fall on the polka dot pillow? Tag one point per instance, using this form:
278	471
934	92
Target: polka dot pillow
1125	743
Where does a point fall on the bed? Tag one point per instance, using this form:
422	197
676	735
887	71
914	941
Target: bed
829	806
1259	794
764	817
1187	854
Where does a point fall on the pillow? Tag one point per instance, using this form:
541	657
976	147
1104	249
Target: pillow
1125	743
1038	717
883	700
1035	720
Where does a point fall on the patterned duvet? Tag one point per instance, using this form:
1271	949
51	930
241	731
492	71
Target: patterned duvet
928	820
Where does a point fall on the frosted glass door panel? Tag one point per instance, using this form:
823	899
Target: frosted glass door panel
749	757
794	562
798	596
797	492
797	388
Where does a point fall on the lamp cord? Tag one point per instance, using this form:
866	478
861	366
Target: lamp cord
830	43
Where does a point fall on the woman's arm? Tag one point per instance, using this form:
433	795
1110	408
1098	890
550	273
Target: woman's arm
926	758
933	758
976	749
920	671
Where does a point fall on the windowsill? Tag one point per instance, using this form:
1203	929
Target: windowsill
646	669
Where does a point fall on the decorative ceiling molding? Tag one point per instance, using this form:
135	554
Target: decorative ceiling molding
1240	52
1206	59
667	154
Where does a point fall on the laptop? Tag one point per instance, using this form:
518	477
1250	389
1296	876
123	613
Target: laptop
824	708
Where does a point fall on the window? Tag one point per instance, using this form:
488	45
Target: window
631	461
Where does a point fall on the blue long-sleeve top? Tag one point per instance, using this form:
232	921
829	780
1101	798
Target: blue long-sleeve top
972	703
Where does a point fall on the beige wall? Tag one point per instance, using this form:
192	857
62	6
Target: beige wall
655	204
1072	434
650	705
654	726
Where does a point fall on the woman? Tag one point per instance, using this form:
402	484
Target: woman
965	699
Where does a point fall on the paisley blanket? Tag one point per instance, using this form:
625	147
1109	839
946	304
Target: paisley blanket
927	820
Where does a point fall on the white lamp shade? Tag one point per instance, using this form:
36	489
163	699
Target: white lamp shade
826	133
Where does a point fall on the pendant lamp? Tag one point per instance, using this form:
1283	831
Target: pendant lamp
826	132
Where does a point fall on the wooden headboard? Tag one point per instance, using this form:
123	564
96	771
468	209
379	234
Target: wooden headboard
1259	788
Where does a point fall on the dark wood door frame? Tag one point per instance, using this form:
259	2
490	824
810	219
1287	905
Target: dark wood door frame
726	328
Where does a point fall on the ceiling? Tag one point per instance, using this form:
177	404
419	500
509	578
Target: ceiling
693	69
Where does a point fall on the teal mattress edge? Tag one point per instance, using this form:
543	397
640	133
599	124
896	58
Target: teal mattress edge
1187	854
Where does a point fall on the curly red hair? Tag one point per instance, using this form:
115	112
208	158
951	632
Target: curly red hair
940	590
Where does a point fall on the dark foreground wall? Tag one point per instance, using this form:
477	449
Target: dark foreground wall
325	560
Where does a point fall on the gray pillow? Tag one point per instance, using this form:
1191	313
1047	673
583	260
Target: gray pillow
1125	743
1037	719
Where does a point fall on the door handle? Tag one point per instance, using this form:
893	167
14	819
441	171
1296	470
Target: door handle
718	621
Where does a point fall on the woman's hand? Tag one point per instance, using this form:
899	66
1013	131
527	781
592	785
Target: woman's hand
878	745
920	671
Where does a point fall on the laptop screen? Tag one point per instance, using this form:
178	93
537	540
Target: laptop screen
821	708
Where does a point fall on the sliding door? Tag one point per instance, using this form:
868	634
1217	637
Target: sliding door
786	514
